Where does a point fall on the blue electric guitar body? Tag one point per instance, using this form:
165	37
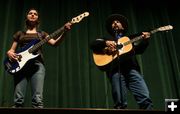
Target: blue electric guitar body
24	55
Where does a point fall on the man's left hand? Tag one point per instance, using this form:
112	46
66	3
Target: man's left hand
145	35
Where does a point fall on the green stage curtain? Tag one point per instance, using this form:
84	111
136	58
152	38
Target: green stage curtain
72	79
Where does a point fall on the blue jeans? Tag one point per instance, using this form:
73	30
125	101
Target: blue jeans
134	82
35	74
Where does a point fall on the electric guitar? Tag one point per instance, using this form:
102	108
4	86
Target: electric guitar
124	46
27	53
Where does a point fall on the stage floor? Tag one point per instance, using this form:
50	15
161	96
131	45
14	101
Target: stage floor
66	110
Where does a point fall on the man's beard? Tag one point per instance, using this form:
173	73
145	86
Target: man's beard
118	30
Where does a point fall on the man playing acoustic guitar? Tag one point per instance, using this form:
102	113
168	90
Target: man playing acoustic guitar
122	71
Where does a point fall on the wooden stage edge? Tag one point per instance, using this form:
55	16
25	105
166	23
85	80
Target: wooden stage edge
58	110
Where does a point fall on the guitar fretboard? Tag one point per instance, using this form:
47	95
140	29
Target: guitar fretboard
138	38
60	31
39	44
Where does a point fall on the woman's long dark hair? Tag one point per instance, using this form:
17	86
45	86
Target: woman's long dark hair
30	24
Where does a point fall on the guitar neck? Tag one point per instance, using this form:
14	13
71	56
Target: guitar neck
139	37
60	31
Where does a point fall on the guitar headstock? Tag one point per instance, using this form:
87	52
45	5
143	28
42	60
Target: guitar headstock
78	18
165	28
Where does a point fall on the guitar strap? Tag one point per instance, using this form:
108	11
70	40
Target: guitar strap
40	35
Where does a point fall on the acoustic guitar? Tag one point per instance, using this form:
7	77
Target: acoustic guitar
124	46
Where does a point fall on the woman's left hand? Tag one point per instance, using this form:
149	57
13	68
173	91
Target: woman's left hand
67	26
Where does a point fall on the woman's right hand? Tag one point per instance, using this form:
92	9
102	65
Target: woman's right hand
13	56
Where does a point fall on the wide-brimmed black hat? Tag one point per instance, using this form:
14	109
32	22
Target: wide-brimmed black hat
123	20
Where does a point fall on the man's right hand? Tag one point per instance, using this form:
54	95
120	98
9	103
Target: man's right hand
111	46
